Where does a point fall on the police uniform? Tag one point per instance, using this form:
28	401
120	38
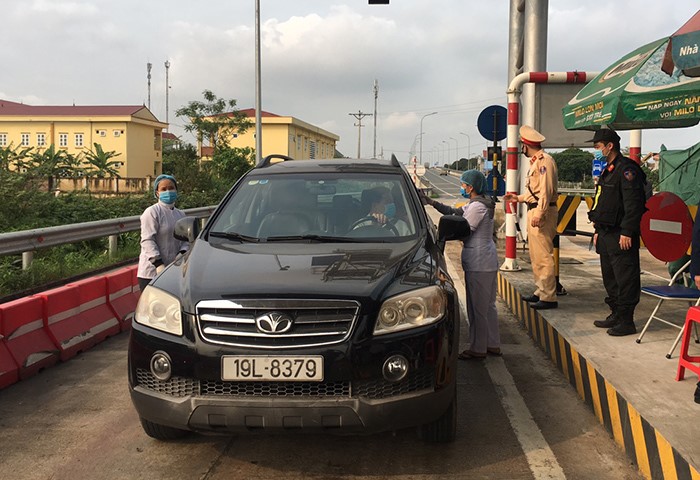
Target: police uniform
617	210
541	198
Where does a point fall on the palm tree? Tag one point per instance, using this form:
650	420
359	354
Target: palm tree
101	163
52	163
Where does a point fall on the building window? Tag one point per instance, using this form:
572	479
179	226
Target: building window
25	139
78	139
3	139
62	139
41	139
312	150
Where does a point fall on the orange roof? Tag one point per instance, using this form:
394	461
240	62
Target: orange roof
250	113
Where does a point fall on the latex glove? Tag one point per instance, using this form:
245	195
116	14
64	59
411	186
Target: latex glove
159	269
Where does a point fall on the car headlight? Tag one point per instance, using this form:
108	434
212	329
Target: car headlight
159	310
410	310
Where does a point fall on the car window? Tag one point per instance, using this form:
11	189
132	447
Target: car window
327	205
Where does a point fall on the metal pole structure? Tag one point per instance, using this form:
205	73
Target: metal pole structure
447	150
359	116
167	88
456	148
512	152
376	94
421	133
469	144
258	88
149	65
636	145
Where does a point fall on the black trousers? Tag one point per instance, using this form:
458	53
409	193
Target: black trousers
621	271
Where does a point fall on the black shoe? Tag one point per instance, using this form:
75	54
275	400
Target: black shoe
622	329
532	299
609	322
697	393
542	305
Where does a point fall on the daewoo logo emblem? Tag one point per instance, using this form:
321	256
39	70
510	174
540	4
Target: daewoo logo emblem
273	322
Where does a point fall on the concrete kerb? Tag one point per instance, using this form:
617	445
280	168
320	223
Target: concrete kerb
630	387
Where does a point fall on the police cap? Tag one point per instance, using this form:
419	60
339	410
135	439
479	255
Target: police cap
530	136
605	135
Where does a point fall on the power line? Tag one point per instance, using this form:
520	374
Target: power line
359	116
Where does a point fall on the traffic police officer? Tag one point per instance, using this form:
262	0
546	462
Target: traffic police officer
540	197
616	214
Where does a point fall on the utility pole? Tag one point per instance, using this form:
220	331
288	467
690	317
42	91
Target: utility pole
167	92
149	65
258	87
376	94
359	116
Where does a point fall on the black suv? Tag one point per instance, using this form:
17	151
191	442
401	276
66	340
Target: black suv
302	306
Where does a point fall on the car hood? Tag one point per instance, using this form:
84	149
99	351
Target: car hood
288	270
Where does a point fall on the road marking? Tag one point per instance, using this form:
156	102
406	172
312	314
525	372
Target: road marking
542	461
540	457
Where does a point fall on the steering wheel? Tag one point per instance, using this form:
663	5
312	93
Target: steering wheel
370	220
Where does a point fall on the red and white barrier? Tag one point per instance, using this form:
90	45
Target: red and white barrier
22	328
95	313
9	371
121	296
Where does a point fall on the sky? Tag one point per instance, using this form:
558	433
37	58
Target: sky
320	59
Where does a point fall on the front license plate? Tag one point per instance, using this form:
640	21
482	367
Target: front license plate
270	368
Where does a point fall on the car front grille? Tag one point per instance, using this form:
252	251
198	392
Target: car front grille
375	389
313	322
380	388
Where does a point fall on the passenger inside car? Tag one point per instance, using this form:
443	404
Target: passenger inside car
379	208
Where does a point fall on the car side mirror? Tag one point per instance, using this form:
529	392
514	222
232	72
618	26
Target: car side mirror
453	227
187	229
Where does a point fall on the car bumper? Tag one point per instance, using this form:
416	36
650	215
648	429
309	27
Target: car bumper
353	397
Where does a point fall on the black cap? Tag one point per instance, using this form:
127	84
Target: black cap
605	135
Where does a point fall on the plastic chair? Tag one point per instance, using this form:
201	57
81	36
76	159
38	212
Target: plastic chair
691	362
671	292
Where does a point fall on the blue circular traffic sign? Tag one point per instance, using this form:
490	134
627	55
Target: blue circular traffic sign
493	123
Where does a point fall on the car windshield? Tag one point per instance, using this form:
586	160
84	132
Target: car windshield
318	207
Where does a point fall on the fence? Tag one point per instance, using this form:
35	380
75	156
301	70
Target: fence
28	241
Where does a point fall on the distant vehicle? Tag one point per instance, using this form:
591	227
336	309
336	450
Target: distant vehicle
297	309
445	171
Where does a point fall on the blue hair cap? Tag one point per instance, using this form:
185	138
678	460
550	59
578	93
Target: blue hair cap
162	177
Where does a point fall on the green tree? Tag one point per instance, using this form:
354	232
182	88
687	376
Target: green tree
573	164
100	163
229	164
214	119
52	163
16	157
191	175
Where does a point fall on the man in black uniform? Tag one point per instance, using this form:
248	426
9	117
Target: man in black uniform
616	214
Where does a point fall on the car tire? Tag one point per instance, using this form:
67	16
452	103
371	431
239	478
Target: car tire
162	432
444	429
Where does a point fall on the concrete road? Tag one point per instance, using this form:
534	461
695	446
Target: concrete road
518	419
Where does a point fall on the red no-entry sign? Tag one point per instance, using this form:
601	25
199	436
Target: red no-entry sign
667	227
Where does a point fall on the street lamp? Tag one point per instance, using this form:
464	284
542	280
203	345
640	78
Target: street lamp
456	148
447	150
258	88
421	133
469	145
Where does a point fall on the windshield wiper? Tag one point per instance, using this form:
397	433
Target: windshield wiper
313	238
235	236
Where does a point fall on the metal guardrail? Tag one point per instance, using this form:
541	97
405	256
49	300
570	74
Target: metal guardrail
31	240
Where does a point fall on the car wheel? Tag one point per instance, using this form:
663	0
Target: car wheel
444	429
162	432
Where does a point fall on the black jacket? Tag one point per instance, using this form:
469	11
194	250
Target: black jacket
619	197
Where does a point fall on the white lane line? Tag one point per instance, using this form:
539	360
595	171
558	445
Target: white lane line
542	461
540	457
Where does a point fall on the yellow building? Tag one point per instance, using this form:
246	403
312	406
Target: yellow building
130	130
283	135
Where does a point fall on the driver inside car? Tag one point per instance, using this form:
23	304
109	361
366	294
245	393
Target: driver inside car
378	203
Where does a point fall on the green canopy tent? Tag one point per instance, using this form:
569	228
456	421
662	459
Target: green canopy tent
679	173
635	93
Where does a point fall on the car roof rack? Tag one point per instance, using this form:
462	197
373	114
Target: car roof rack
269	160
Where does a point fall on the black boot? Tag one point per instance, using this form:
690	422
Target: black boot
609	322
625	325
532	299
697	393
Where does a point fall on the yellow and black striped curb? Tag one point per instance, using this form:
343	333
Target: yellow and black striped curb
655	457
